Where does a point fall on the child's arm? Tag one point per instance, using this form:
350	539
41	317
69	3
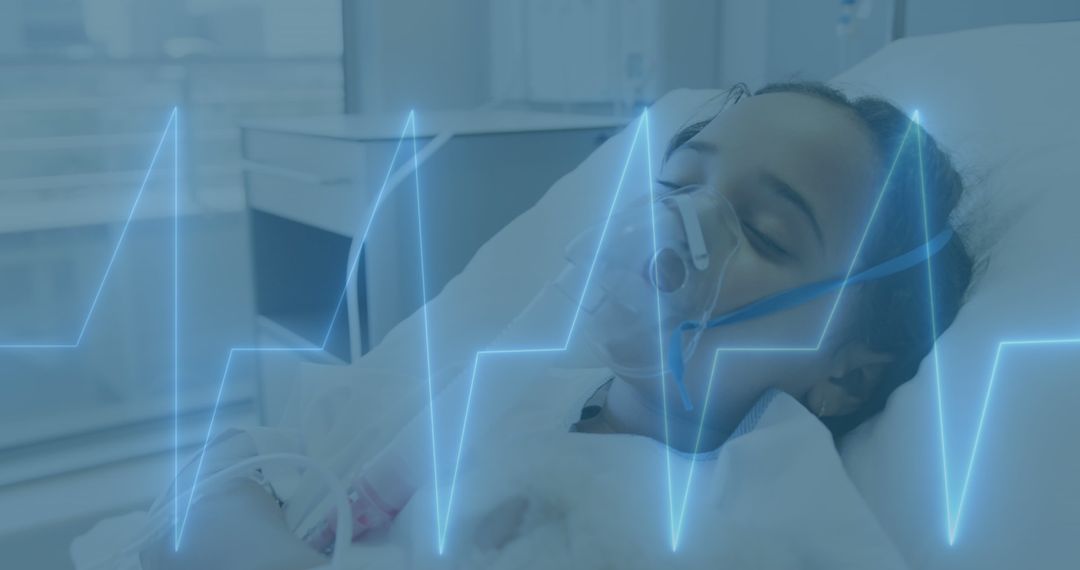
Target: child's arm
240	527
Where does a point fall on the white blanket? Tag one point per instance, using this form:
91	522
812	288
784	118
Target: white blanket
774	497
533	495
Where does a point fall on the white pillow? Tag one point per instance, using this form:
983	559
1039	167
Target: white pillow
1004	101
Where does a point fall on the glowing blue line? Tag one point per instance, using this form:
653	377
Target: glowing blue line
697	449
677	525
847	276
1038	342
934	330
367	228
953	518
443	526
955	523
37	346
604	230
321	348
865	234
123	232
170	123
176	316
661	348
213	418
427	327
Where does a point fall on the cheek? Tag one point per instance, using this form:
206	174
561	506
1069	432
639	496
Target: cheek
750	278
778	351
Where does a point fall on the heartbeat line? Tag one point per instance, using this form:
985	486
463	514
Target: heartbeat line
953	509
170	126
180	523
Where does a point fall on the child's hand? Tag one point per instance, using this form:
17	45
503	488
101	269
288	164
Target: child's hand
240	528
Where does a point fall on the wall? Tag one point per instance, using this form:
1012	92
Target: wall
401	61
567	54
803	41
691	33
743	31
936	16
775	40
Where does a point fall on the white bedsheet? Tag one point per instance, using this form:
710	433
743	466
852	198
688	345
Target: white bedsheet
534	495
538	496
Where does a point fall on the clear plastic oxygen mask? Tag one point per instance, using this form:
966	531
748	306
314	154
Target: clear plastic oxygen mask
645	273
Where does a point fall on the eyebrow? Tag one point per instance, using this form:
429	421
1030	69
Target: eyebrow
778	186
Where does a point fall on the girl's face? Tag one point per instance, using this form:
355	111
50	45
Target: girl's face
802	174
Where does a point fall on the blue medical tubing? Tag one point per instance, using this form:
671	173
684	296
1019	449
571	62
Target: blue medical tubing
797	296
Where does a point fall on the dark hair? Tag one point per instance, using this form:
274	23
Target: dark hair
891	314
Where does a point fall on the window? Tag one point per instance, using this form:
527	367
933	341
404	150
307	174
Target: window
86	90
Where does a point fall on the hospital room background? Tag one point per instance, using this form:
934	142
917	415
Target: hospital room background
182	178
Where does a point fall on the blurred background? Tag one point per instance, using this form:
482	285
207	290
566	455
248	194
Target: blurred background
274	97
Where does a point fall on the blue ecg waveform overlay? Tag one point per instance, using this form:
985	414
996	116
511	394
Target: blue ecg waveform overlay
953	508
76	341
408	130
171	131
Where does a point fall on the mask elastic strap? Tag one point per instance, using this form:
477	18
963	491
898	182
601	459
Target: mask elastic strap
798	296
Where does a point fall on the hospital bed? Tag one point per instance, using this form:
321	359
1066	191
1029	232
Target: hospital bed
1003	101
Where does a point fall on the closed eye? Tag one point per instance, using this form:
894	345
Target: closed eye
765	245
669	186
760	241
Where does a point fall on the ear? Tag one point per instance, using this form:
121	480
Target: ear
854	372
